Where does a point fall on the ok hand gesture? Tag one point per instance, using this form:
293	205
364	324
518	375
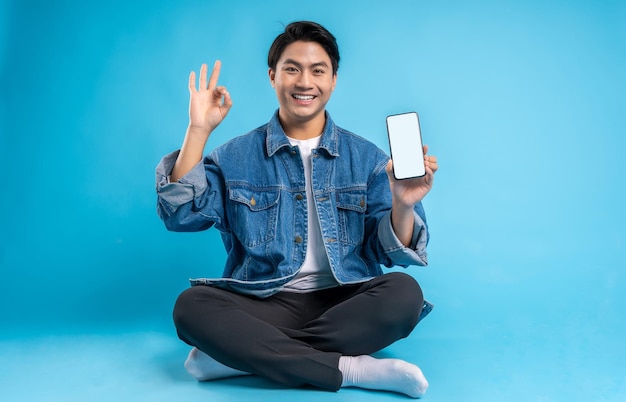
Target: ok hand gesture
208	105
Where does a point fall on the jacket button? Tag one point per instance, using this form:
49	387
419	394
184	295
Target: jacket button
362	202
299	197
298	239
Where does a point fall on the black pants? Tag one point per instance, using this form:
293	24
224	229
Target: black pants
296	339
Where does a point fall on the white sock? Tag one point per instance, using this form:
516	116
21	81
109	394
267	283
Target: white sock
203	367
383	374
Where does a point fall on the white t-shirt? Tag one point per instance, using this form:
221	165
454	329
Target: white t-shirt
315	273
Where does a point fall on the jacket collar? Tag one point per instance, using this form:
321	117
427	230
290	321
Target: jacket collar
276	137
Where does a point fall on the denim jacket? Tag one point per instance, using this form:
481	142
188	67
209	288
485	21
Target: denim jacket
252	189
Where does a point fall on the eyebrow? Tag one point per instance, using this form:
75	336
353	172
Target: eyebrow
295	63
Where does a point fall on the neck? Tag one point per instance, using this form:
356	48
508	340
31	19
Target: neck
304	130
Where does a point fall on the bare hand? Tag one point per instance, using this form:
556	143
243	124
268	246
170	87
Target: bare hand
208	105
409	192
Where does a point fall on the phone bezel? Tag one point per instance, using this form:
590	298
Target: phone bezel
421	143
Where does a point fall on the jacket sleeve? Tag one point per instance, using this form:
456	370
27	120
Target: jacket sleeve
380	237
193	203
415	254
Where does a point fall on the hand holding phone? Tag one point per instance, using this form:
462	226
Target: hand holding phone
405	143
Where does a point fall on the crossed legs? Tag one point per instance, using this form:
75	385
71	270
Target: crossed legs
321	338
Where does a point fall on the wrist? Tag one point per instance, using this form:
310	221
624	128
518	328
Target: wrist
198	132
401	207
402	221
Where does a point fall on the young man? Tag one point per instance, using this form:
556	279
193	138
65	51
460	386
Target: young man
308	212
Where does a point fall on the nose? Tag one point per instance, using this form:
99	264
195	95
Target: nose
304	80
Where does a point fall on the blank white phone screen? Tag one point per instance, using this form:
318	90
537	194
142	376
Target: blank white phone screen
405	142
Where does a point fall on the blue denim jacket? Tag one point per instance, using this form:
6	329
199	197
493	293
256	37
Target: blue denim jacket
252	189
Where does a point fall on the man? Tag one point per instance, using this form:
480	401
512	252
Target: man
308	212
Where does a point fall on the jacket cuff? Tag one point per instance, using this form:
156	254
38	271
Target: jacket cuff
397	252
186	189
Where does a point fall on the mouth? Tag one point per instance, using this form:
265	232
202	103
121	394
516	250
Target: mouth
304	98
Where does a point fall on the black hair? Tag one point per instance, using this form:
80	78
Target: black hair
305	31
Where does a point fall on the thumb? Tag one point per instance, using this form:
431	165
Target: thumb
228	101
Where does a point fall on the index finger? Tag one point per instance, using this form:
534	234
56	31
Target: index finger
215	73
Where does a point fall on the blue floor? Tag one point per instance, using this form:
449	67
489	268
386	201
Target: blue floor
517	361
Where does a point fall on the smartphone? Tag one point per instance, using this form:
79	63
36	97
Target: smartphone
405	144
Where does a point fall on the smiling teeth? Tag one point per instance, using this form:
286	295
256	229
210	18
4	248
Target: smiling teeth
304	97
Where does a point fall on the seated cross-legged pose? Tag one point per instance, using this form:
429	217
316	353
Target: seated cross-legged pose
308	212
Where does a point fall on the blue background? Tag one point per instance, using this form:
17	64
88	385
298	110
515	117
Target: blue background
522	101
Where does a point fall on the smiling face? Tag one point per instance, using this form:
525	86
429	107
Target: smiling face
303	80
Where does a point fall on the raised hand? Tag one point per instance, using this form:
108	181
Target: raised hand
406	193
409	192
208	104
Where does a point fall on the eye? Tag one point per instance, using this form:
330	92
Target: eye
291	69
319	71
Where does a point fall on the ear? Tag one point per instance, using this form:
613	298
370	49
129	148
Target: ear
334	81
272	74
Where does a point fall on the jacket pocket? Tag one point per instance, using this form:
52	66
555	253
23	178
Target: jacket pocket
351	207
253	215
